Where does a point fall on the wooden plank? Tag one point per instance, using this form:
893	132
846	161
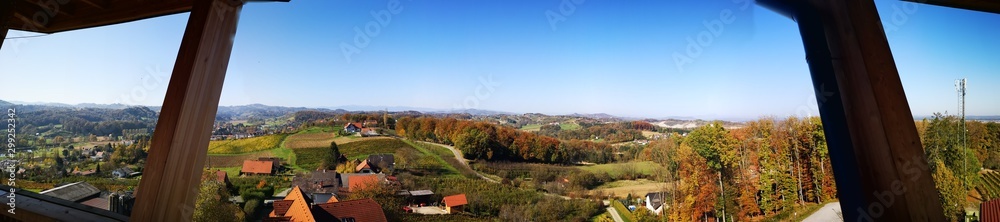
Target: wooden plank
73	15
172	174
6	14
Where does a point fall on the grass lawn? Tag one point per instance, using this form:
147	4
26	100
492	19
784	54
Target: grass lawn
441	155
247	145
569	126
375	145
640	187
615	169
531	127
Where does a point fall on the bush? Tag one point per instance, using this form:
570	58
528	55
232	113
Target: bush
251	207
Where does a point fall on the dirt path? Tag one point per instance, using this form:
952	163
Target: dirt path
461	159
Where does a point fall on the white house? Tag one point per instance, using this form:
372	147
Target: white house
654	202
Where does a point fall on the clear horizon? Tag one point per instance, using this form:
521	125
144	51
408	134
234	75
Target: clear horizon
523	57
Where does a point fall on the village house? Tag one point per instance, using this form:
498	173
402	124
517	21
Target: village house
366	132
377	163
353	127
296	206
654	202
370	123
257	167
455	203
124	172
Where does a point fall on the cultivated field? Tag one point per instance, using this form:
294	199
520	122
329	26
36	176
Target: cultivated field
245	145
309	140
214	161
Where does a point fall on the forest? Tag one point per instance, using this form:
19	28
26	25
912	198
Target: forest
763	169
487	141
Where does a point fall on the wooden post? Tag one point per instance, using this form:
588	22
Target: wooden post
177	153
881	170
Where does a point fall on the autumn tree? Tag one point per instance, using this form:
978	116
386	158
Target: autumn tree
212	203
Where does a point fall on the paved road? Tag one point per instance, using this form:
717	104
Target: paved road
614	214
828	213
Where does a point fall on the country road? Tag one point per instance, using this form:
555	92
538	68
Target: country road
461	159
828	213
614	214
465	164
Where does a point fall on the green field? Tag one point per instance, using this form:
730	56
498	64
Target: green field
245	145
310	158
616	169
531	127
361	149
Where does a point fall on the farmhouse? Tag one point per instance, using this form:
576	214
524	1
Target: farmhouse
366	132
124	172
352	127
296	206
654	202
257	167
376	163
454	203
320	181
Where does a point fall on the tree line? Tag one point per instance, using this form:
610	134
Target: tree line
753	172
488	141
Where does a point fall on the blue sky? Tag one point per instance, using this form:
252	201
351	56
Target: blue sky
598	56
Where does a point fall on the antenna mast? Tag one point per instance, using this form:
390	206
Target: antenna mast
960	88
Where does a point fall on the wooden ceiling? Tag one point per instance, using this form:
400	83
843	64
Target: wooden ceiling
51	16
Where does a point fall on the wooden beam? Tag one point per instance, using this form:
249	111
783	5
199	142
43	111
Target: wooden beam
75	15
881	170
6	15
99	5
176	159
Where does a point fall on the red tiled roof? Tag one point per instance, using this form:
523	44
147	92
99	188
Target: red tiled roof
221	176
990	211
358	125
281	207
256	166
360	210
361	182
455	200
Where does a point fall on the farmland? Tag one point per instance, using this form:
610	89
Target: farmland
310	140
989	188
234	160
245	145
362	148
646	168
